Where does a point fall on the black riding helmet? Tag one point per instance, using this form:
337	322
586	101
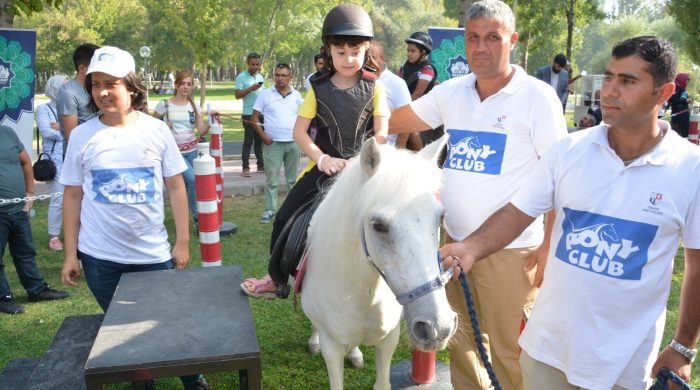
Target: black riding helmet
347	19
421	39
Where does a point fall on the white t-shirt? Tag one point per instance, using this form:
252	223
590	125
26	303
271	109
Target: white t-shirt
493	145
600	313
121	172
181	121
280	112
397	95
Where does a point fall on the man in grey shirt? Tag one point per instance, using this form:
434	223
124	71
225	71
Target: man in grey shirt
17	181
73	99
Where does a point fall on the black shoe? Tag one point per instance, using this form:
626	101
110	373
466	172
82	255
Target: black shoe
10	306
200	385
48	294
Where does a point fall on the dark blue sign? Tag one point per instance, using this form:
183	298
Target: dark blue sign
17	56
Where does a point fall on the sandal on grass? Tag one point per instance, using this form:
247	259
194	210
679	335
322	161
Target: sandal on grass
259	288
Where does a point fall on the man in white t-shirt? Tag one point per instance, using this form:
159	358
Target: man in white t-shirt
279	105
500	121
625	192
397	94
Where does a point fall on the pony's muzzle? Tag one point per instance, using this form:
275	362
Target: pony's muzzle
430	336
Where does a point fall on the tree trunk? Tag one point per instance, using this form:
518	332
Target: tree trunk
270	25
524	42
6	17
202	84
569	27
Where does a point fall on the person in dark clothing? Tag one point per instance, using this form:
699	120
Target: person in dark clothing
420	76
348	107
680	114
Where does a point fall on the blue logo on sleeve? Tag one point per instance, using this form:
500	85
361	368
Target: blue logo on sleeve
475	151
125	186
605	245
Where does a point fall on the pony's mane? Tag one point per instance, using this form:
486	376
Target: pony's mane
400	177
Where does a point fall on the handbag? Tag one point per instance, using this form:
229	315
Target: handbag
44	169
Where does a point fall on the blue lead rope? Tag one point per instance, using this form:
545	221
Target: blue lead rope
666	375
477	333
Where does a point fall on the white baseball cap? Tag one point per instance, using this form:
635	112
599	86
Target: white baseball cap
113	61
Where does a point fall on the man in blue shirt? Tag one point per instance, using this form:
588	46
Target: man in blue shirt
248	84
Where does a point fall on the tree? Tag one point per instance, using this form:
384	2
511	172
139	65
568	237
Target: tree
11	8
685	12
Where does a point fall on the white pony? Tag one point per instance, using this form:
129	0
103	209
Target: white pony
374	238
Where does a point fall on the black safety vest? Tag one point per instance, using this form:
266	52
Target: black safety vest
344	117
409	72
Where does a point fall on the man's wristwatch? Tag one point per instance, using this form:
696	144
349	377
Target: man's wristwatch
683	350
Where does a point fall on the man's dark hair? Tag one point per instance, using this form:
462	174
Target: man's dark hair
319	56
133	84
83	54
560	59
252	56
657	52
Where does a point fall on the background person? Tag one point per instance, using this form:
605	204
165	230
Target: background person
187	126
17	181
420	76
111	226
556	76
397	94
500	121
680	104
279	104
52	145
319	64
72	100
248	84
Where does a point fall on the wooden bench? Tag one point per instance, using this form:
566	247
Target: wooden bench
63	365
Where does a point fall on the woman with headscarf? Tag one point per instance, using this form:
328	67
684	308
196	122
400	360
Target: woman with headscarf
52	141
680	114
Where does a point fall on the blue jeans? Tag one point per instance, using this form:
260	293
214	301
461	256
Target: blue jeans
188	176
16	230
102	277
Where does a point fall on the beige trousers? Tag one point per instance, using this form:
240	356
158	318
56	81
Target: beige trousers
540	376
500	289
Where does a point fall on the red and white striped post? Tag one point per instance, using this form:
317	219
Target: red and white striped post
217	152
207	206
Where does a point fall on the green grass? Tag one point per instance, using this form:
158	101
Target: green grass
282	331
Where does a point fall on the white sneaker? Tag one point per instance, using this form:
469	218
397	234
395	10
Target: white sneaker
267	216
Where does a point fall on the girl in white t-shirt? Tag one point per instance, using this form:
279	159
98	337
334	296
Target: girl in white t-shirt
188	127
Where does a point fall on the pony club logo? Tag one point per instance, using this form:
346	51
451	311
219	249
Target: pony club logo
475	151
501	118
124	186
655	198
107	57
604	245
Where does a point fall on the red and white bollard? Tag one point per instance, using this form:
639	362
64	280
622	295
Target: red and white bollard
217	152
693	130
207	206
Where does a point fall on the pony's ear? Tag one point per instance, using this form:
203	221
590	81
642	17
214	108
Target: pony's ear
370	156
433	150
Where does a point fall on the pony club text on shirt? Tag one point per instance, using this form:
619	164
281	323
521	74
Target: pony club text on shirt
605	245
